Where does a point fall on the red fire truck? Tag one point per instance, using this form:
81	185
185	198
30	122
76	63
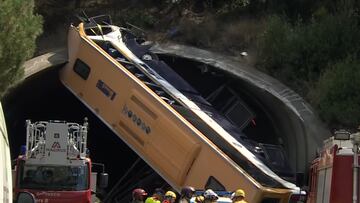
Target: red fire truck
334	174
55	166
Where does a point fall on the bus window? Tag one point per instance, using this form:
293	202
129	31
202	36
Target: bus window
214	184
82	69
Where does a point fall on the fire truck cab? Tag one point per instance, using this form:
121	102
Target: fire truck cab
54	166
334	173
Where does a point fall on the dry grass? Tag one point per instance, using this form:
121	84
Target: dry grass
203	30
229	38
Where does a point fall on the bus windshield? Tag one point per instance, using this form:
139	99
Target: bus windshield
54	178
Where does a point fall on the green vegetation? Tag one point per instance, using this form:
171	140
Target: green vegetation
337	93
306	44
137	17
19	28
319	58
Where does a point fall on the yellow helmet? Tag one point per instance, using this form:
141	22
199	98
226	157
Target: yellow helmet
170	194
239	193
199	199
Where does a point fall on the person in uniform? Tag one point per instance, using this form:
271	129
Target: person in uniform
157	196
186	194
138	195
238	196
170	197
210	196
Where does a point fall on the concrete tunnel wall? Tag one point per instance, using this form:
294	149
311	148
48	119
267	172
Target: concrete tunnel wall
293	119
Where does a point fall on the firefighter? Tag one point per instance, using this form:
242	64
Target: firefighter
210	196
186	193
138	195
170	197
238	196
157	196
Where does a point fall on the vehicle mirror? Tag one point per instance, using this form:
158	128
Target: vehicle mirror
103	180
341	135
25	197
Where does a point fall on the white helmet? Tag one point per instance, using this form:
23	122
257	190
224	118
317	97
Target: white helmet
210	194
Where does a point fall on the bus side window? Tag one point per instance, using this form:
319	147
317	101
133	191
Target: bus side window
214	184
82	69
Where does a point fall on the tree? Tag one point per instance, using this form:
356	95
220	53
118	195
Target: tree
19	27
337	94
319	59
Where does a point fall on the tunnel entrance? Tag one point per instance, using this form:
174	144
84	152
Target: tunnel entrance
232	98
222	89
43	97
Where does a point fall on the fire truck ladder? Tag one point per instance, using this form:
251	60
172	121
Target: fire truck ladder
35	145
77	139
36	139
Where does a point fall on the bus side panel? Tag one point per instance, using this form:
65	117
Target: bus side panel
141	119
74	41
209	164
167	142
219	166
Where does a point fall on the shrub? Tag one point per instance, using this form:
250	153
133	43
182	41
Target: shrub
19	28
298	54
201	34
137	17
337	94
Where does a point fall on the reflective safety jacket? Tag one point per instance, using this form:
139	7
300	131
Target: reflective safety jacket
152	200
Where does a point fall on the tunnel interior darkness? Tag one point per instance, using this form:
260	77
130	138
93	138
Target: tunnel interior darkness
43	97
207	79
225	91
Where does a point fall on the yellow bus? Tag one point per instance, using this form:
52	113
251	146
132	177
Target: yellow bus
5	168
181	140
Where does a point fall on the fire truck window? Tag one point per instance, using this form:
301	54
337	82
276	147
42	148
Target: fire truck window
29	176
82	69
70	178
